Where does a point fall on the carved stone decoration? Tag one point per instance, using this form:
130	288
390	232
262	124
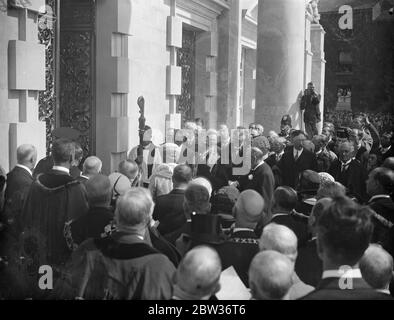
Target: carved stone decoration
186	60
77	70
312	11
47	28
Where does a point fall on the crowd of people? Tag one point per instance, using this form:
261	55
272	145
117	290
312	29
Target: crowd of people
382	121
311	217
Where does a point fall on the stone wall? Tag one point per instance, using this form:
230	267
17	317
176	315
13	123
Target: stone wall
22	76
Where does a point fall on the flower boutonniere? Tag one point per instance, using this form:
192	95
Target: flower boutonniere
250	177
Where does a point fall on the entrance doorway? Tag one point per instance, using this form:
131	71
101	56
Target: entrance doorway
68	100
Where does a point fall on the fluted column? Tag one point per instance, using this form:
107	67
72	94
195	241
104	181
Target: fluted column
280	61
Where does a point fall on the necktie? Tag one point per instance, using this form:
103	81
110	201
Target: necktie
296	156
344	166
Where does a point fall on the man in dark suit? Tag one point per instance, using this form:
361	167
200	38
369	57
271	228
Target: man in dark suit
260	179
344	231
54	199
19	181
46	164
387	150
309	266
349	171
285	201
379	187
169	208
90	168
242	245
310	105
296	160
92	225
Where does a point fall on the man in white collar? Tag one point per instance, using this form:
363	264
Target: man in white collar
54	199
379	186
260	178
386	149
349	171
296	160
91	167
19	181
283	213
376	267
344	230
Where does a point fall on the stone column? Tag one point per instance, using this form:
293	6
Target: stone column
249	98
308	51
229	32
318	65
280	61
112	81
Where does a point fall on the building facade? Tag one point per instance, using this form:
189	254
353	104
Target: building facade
360	62
84	63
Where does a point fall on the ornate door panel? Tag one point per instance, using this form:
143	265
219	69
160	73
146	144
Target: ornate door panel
77	69
186	60
47	31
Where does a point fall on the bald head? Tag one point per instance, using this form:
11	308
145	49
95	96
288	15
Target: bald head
389	163
26	155
199	272
376	267
248	209
203	182
92	166
281	239
134	209
128	168
99	191
270	276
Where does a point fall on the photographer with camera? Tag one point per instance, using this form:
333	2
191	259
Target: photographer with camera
310	104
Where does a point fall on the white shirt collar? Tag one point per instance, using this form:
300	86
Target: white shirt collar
24	167
280	214
295	151
60	168
380	196
384	150
347	163
259	165
350	273
242	229
385	291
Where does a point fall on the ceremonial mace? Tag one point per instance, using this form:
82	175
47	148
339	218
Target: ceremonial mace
141	131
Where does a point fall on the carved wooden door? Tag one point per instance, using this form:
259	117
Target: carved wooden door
77	69
186	60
